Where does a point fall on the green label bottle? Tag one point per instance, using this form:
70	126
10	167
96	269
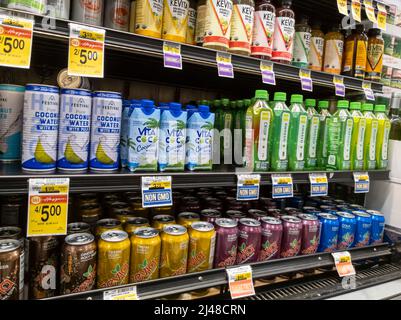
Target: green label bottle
226	130
382	137
372	127
358	136
323	134
312	134
297	134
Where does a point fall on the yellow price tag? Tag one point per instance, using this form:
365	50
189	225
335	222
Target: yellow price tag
251	182
338	80
381	16
243	276
223	57
342	7
160	185
356	10
321	180
304	73
283	180
172	48
15	42
370	11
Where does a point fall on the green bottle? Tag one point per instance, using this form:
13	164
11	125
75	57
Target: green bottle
323	134
372	127
358	136
395	132
312	134
258	121
280	128
218	111
340	127
238	132
226	129
297	134
382	137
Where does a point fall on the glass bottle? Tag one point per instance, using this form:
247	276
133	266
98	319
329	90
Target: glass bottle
355	53
333	51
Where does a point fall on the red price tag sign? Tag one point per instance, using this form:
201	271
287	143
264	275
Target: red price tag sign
343	264
240	282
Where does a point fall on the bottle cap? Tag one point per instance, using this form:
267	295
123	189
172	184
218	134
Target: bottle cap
225	102
217	103
247	102
190	107
174	106
342	104
323	104
147	103
367	107
240	103
380	108
203	109
297	98
374	32
280	96
261	94
310	103
233	104
355	106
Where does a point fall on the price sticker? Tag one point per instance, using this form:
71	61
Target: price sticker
370	11
318	184
356	10
362	183
48	207
224	65
381	16
367	88
306	80
248	187
342	7
339	86
172	55
282	186
240	282
129	293
15	42
86	51
268	75
343	263
156	191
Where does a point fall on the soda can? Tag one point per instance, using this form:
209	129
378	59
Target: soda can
135	223
118	207
339	201
310	233
329	226
90	213
66	81
210	215
88	11
249	239
202	241
124	215
274	213
78	263
74	130
12	211
297	202
174	253
235	214
290	211
10	253
292	236
78	227
378	223
136	205
226	242
187	218
356	207
256	214
105	131
311	210
272	233
113	259
40	128
32	6
162	220
117	14
145	254
11	105
59	9
328	209
346	231
363	228
107	225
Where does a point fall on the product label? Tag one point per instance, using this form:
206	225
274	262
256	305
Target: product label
316	53
360	139
325	139
264	127
262	39
342	7
282	186
241	27
240	282
343	263
360	62
175	20
303	120
227	130
339	86
372	142
156	191
313	134
348	56
381	16
268	75
285	125
190	34
370	11
319	184
347	139
362	182
218	22
375	59
200	24
248	187
306	80
224	65
149	15
333	56
367	88
283	42
356	10
301	48
172	55
248	141
386	135
121	294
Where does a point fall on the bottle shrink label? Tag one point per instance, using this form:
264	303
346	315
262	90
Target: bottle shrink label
301	48
175	20
241	27
218	22
283	42
316	53
149	15
263	30
333	56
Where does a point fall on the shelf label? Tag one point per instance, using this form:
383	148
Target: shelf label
342	7
268	75
343	263
86	51
129	293
282	186
248	187
339	86
48	207
306	80
15	42
370	11
381	16
224	65
318	184
172	55
356	10
156	191
367	88
362	183
240	282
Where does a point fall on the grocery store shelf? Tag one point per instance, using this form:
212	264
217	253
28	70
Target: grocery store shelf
393	30
13	180
201	280
392	62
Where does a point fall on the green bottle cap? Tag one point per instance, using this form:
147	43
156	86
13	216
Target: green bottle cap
367	107
247	102
323	104
217	103
225	102
280	96
261	94
233	104
342	104
297	98
240	104
380	108
355	106
310	103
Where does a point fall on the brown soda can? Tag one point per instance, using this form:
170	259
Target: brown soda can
9	269
90	213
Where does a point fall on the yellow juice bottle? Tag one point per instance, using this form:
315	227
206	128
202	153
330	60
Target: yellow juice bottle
372	126
382	137
358	136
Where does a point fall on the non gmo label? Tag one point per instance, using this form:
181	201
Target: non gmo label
268	75
306	80
318	184
282	186
343	263
224	65
172	55
240	282
128	293
248	187
362	183
156	191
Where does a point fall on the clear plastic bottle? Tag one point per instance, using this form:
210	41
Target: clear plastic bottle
297	135
383	136
242	26
302	41
315	58
312	134
372	127
333	51
324	114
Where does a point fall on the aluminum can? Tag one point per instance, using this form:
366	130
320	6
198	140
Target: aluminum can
310	233
117	207
363	228
356	207
90	213
274	213
107	225
226	242
78	263
145	254
210	215
272	233
256	214
378	223
292	236
296	202
187	218
290	211
88	11
328	209
10	269
12	211
134	223
66	81
117	14
249	239
202	241
235	214
311	210
78	227
162	220
87	197
346	231
32	6
329	226
113	259
59	9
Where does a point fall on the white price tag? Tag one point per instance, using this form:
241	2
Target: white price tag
282	186
156	191
343	264
367	88
306	80
339	86
128	293
240	282
224	65
172	55
362	183
318	184
268	75
248	187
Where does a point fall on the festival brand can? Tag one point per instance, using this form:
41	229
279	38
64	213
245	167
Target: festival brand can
310	233
107	225
363	228
187	218
113	259
105	132
202	240
88	11
149	17
378	223
134	223
175	20
226	242
256	214
78	227
162	220
174	253
346	231
292	236
74	130
9	269
40	128
272	233
78	263
329	226
145	254
235	214
11	105
249	239
59	9
33	6
117	14
210	215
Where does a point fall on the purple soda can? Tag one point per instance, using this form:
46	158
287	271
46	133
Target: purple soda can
292	235
329	232
235	214
226	242
290	211
272	233
310	233
256	214
346	230
210	215
274	213
249	238
363	228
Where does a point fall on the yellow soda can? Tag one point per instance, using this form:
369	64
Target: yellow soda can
202	240
107	225
187	218
134	223
162	220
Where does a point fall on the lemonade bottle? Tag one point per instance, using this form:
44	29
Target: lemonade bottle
280	128
258	120
372	126
312	134
297	135
382	137
323	134
358	136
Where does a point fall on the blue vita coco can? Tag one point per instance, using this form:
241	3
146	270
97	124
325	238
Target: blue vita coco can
378	223
11	104
105	131
346	231
363	228
74	130
40	128
329	232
